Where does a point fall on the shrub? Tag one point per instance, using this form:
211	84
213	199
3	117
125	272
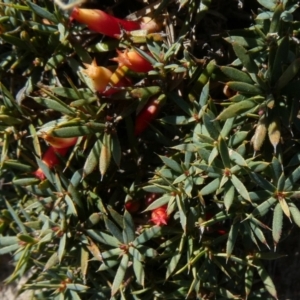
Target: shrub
206	139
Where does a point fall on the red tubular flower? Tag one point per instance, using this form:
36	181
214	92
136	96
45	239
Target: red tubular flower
50	159
133	60
99	21
148	113
159	216
57	142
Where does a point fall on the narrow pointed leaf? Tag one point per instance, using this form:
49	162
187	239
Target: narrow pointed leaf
92	159
172	164
236	109
129	227
139	272
236	74
264	207
105	155
229	193
233	233
277	224
295	213
223	150
120	274
285	207
263	183
239	186
266	279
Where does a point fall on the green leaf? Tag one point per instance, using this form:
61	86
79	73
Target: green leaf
229	193
105	154
275	22
172	164
266	279
246	60
211	127
232	235
291	71
223	150
173	264
239	186
204	96
295	213
72	131
55	104
165	199
213	154
236	74
229	123
244	88
8	240
277	224
9	249
236	109
116	149
52	261
61	247
147	235
103	238
76	287
202	81
292	179
264	207
237	158
281	58
210	187
269	4
263	183
92	159
139	272
120	275
248	280
16	217
113	229
45	14
259	234
129	228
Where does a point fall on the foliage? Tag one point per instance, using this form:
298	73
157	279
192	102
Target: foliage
226	165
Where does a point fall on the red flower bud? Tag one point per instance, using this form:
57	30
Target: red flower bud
148	113
132	206
99	21
133	60
57	142
159	216
50	159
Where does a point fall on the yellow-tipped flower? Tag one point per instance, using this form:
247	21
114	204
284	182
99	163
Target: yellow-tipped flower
100	76
104	80
133	61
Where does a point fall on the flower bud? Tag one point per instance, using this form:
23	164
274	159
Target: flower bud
100	76
104	80
133	60
151	25
50	159
99	21
57	142
147	114
159	216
